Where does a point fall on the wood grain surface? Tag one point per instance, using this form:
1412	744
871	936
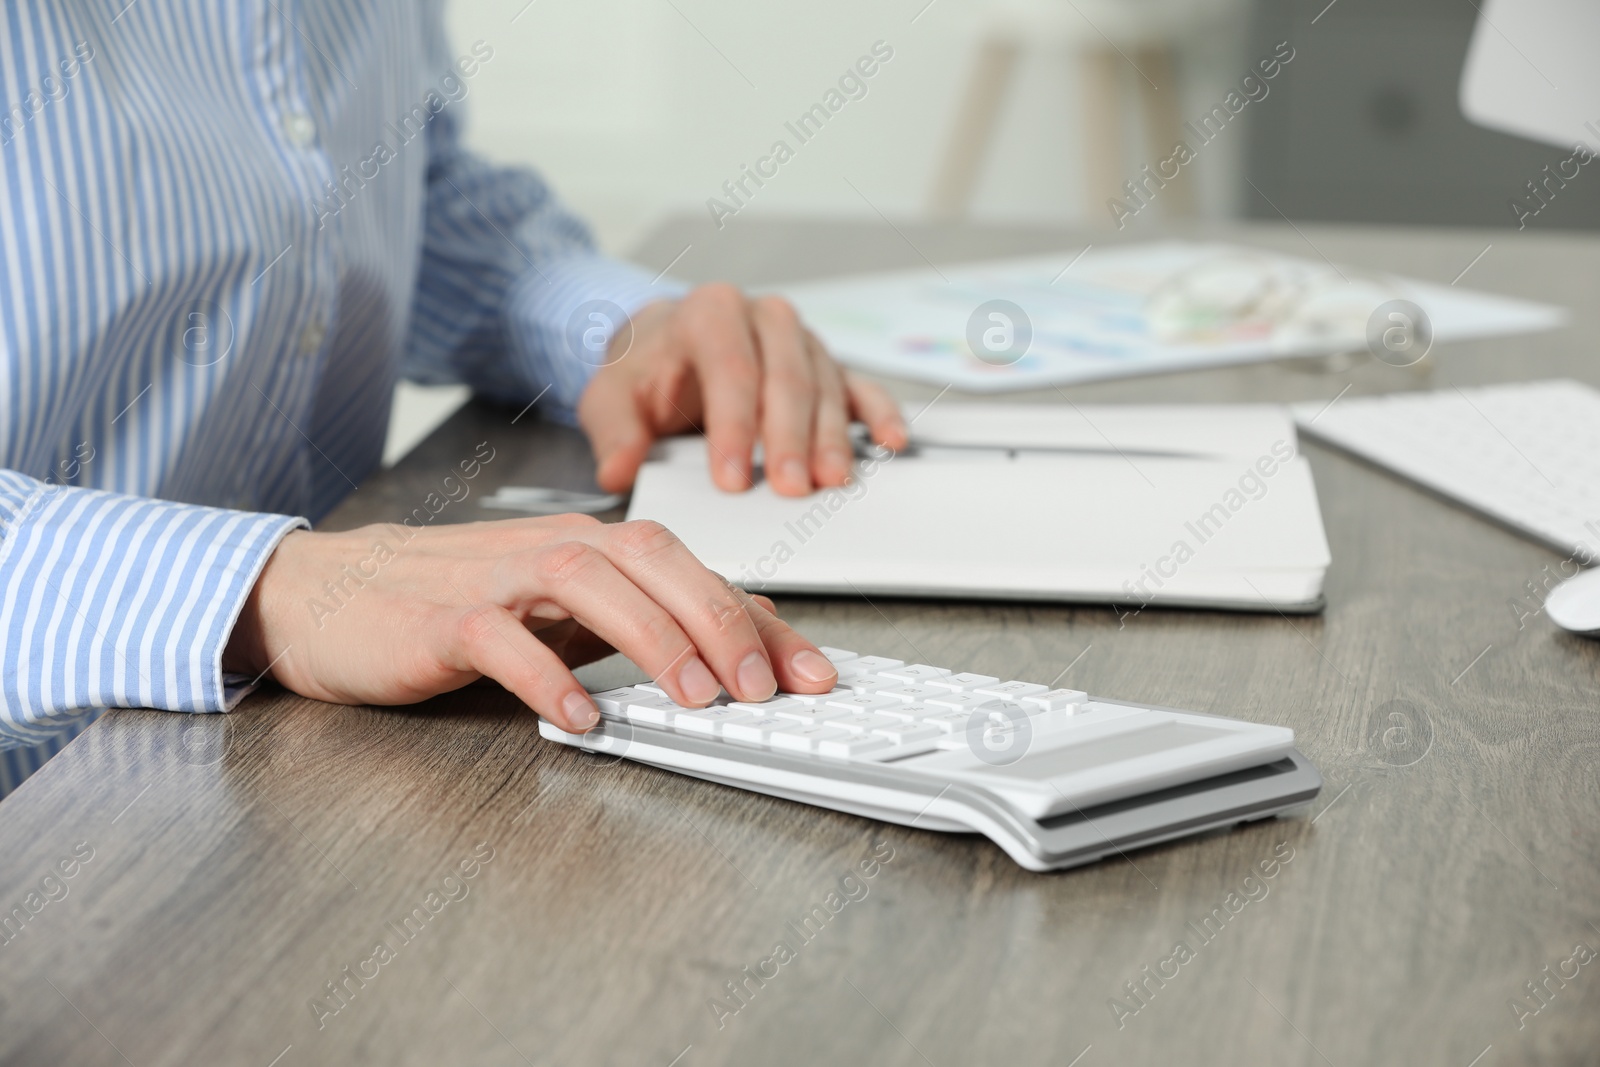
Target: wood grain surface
537	906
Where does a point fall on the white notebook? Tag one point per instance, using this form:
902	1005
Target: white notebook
1201	506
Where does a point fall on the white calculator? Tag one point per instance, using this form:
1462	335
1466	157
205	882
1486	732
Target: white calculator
1053	776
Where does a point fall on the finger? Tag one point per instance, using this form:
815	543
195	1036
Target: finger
765	602
614	420
700	601
872	404
831	453
801	666
493	642
722	347
573	643
788	395
574	578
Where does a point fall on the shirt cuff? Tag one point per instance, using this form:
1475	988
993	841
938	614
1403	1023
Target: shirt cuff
561	318
117	601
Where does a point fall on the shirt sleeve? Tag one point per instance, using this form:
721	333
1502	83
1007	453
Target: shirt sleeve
118	601
512	297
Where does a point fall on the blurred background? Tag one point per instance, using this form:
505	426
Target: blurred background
994	110
639	108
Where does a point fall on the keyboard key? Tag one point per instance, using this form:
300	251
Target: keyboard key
863	702
1056	699
962	681
709	720
851	745
904	733
836	656
801	738
755	731
864	724
1012	690
913	672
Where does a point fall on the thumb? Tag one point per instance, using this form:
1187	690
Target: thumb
618	432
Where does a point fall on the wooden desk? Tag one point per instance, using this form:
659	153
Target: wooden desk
241	863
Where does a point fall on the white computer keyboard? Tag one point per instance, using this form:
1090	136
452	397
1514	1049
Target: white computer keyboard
951	750
1527	454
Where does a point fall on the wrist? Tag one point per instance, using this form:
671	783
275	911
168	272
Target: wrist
246	650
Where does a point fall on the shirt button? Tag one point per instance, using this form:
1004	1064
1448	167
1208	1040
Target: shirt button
299	129
312	336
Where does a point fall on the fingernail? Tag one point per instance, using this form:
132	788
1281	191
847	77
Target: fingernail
755	677
733	473
698	683
580	710
812	666
795	473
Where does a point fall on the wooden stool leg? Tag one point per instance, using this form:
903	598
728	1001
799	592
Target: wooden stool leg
973	131
1102	130
1163	124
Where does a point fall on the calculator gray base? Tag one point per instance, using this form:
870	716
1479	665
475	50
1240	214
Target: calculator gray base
1114	829
1054	843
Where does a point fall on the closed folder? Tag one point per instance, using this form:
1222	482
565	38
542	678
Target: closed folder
1185	505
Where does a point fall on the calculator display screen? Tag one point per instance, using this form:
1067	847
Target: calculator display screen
1043	765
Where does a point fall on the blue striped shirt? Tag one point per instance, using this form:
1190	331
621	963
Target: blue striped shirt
225	230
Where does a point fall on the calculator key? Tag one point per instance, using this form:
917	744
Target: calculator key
851	745
653	688
898	752
963	681
651	710
949	722
908	712
817	698
866	683
864	724
1057	699
958	701
904	733
755	731
1009	713
709	720
809	713
612	702
767	707
836	656
801	738
911	694
1012	690
913	672
876	664
863	702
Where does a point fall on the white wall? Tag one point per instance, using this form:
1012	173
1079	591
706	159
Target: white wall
629	108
